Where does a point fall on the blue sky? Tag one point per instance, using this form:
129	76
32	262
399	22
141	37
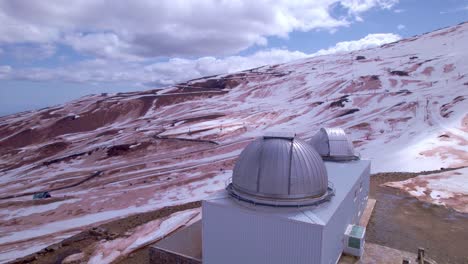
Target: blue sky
416	16
52	51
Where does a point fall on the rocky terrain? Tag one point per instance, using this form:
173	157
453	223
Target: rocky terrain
108	156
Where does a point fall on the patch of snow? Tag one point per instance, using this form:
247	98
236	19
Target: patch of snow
33	209
134	145
143	235
449	188
15	253
419	191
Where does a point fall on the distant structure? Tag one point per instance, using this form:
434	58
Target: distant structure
286	205
333	144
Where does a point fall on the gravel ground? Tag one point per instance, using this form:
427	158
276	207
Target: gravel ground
402	222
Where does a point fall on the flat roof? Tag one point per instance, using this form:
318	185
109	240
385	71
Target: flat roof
343	176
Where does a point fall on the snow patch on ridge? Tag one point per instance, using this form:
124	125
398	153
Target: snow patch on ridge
446	188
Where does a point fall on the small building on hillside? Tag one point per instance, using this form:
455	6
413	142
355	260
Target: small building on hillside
333	144
285	204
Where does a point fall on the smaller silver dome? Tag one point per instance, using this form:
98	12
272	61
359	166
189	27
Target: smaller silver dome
280	170
333	144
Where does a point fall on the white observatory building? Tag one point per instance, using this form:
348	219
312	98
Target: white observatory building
287	205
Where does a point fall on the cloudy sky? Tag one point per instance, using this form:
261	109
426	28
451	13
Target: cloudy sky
52	51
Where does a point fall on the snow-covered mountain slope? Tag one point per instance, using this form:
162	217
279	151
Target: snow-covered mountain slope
107	156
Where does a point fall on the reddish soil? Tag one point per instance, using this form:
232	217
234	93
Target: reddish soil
446	109
449	68
406	82
428	71
332	87
464	123
169	99
444	152
364	83
394	121
414	67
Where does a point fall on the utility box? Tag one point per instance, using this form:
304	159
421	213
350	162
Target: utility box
354	240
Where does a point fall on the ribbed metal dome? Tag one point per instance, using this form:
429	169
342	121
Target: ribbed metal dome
333	144
282	171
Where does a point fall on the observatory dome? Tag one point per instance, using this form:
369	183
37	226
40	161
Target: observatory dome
333	144
281	171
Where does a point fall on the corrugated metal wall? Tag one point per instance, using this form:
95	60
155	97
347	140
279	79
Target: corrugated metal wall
239	235
347	213
332	142
341	148
320	142
339	143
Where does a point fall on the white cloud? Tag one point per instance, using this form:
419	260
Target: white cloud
401	27
398	11
177	69
129	30
24	52
106	45
369	41
357	6
4	71
160	74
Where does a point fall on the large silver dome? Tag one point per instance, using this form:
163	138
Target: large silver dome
281	171
333	144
